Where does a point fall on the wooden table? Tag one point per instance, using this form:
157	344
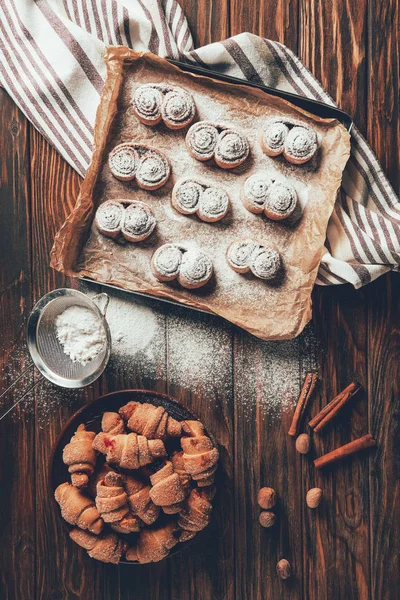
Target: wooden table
350	547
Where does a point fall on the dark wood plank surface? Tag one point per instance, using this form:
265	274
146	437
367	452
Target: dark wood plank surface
244	390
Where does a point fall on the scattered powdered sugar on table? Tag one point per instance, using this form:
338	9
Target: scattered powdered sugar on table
81	333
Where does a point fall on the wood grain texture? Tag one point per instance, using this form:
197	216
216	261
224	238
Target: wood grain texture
383	310
349	547
17	438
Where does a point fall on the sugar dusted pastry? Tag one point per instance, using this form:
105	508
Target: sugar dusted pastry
154	102
239	254
265	262
300	145
146	103
296	140
192	267
109	217
228	147
78	509
177	109
167	490
200	457
107	547
148	165
192	196
153	422
249	255
166	262
128	451
196	269
80	456
112	423
196	512
138	222
265	192
154	544
139	500
112	504
123	161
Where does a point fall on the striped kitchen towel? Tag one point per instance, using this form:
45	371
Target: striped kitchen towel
52	64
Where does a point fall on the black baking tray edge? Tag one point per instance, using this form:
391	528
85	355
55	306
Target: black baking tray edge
325	111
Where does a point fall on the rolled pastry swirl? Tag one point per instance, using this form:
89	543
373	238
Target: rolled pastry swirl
265	192
123	162
190	196
295	140
249	255
155	102
300	145
239	254
196	269
150	166
177	109
280	201
201	140
191	267
147	101
206	140
274	136
109	217
265	262
186	196
166	262
138	222
232	149
153	170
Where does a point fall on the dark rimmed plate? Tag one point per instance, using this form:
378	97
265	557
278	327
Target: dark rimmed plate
91	415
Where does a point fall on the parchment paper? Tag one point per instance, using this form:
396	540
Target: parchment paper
277	310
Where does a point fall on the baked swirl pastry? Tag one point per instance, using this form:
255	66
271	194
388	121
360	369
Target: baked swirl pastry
196	269
149	166
166	262
109	218
123	162
266	193
228	147
191	267
295	140
249	255
153	103
210	203
138	222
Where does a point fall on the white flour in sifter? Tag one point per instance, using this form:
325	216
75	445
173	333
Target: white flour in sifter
81	333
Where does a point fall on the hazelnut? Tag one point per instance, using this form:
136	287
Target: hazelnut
283	569
266	497
267	519
303	443
313	497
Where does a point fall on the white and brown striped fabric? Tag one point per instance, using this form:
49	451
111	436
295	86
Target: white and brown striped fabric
52	64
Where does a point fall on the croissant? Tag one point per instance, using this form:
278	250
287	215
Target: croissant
112	504
167	491
151	421
178	463
78	509
195	514
108	548
154	544
139	500
99	473
80	456
112	423
129	451
199	454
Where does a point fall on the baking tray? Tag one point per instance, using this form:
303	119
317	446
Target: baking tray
315	107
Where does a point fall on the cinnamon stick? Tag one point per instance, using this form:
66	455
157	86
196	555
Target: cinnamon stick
308	387
367	441
330	411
